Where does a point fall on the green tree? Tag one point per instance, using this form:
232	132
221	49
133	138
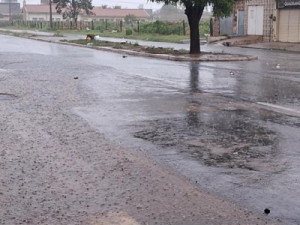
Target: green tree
130	19
72	8
171	12
194	10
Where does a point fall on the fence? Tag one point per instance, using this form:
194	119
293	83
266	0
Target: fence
157	27
44	25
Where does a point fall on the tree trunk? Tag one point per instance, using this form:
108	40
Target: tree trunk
194	36
194	14
75	21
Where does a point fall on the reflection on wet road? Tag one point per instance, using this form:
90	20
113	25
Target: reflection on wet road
200	119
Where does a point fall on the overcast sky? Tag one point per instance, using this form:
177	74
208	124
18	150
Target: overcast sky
130	4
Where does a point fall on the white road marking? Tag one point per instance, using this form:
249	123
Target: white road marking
280	109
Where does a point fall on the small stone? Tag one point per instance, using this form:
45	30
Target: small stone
267	211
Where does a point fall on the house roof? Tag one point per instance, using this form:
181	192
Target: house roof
119	13
39	8
97	11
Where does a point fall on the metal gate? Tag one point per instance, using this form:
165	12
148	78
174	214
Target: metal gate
226	26
255	20
289	25
241	14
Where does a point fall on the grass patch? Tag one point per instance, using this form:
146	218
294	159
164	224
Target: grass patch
129	46
16	34
133	36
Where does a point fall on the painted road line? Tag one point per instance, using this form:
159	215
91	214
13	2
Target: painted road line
280	109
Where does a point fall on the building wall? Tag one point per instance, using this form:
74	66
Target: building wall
268	23
239	5
98	18
42	17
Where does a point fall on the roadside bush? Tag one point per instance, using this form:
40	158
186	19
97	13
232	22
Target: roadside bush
128	31
204	28
160	27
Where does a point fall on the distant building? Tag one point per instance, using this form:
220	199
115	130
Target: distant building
9	9
45	2
286	21
274	20
40	13
233	25
9	1
101	14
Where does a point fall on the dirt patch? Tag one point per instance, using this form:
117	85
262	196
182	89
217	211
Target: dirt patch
129	46
222	139
180	55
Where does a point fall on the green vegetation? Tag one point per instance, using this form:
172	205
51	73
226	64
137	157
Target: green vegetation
157	31
163	34
129	46
72	8
194	10
128	31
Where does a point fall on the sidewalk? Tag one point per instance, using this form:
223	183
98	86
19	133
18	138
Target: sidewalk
256	42
293	47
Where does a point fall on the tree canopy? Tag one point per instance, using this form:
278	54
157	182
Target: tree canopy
194	10
72	8
130	19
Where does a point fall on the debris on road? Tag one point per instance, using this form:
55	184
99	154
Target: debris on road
267	211
90	37
97	38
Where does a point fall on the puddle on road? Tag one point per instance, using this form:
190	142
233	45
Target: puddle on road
222	139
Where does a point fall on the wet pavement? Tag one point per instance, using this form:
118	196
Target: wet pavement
200	120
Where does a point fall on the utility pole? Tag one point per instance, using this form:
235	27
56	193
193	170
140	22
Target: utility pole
9	10
50	5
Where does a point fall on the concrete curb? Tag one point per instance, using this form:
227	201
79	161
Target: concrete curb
206	57
213	57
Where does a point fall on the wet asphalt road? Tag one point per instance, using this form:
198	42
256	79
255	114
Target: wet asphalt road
198	119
